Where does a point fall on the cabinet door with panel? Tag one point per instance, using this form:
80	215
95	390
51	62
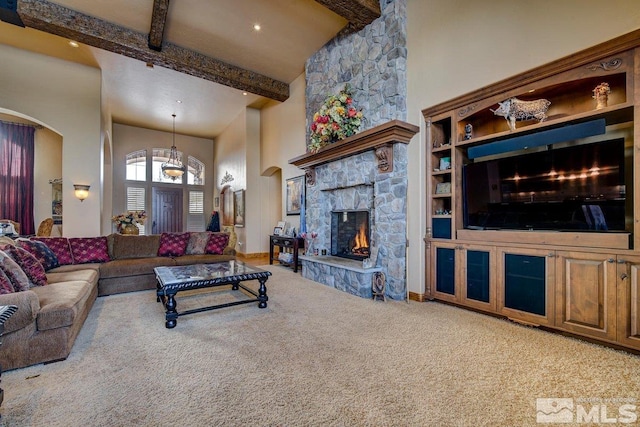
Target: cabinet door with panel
526	284
628	276
586	294
444	283
478	276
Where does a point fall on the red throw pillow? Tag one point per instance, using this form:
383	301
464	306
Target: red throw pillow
59	246
173	244
45	256
29	264
5	284
18	278
216	244
89	249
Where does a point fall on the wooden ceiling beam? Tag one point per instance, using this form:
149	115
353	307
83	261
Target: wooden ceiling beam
359	13
158	22
55	19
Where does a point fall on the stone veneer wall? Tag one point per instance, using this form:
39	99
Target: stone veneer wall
373	62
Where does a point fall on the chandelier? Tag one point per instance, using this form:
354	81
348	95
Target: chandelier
173	168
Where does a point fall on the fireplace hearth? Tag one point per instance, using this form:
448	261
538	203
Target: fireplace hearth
350	235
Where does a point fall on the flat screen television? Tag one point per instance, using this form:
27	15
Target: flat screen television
577	187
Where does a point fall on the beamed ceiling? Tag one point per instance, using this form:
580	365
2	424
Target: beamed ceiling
204	53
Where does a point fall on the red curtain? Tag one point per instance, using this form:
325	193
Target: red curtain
16	174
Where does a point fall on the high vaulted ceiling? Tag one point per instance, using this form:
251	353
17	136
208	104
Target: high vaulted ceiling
204	53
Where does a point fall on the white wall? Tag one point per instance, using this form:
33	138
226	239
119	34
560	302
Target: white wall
455	47
66	98
283	138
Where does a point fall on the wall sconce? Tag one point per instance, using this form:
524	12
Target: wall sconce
82	191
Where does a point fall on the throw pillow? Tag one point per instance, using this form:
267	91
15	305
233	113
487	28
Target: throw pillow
89	249
18	278
43	254
197	243
59	246
173	244
216	244
4	240
29	264
5	284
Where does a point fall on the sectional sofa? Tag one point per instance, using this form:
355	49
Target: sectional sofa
50	315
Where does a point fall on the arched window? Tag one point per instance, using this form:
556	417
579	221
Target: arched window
137	166
195	171
161	155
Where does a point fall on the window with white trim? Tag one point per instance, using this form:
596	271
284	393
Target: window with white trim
137	166
160	156
195	171
195	218
136	201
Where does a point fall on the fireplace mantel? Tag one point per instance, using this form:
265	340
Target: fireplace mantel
380	138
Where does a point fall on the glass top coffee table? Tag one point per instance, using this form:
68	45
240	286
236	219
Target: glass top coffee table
172	280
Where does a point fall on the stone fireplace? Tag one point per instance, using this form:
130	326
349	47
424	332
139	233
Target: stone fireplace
364	175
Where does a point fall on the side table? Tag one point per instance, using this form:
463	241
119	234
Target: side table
293	243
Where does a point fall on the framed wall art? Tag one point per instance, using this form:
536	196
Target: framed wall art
295	195
238	208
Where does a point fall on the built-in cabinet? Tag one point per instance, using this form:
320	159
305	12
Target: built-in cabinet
585	282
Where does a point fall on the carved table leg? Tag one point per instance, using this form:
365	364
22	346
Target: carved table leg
172	314
158	287
262	294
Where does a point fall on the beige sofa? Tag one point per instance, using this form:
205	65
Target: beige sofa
50	317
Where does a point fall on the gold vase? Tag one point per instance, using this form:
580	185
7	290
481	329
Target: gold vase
130	229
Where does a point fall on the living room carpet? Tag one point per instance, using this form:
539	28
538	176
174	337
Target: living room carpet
314	357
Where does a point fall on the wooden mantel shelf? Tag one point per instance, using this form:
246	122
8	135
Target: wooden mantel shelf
376	138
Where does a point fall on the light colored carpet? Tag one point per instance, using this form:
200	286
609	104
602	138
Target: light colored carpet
314	356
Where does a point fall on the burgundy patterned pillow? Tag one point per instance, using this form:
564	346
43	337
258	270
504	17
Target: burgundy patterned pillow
5	284
173	244
59	246
89	249
42	253
29	264
18	278
217	242
197	243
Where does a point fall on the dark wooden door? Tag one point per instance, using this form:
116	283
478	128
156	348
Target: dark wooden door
167	210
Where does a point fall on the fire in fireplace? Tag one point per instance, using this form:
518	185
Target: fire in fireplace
350	234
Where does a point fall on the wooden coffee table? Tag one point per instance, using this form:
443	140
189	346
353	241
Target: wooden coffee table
172	280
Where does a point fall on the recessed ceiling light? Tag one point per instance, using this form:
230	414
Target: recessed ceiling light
74	44
245	93
178	101
257	27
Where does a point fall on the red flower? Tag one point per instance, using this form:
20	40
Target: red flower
349	101
352	112
336	126
314	127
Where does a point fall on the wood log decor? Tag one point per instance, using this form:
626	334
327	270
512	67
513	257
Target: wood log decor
61	21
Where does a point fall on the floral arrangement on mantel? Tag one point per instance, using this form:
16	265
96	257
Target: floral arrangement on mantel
336	120
130	218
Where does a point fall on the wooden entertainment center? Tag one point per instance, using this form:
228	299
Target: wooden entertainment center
585	282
